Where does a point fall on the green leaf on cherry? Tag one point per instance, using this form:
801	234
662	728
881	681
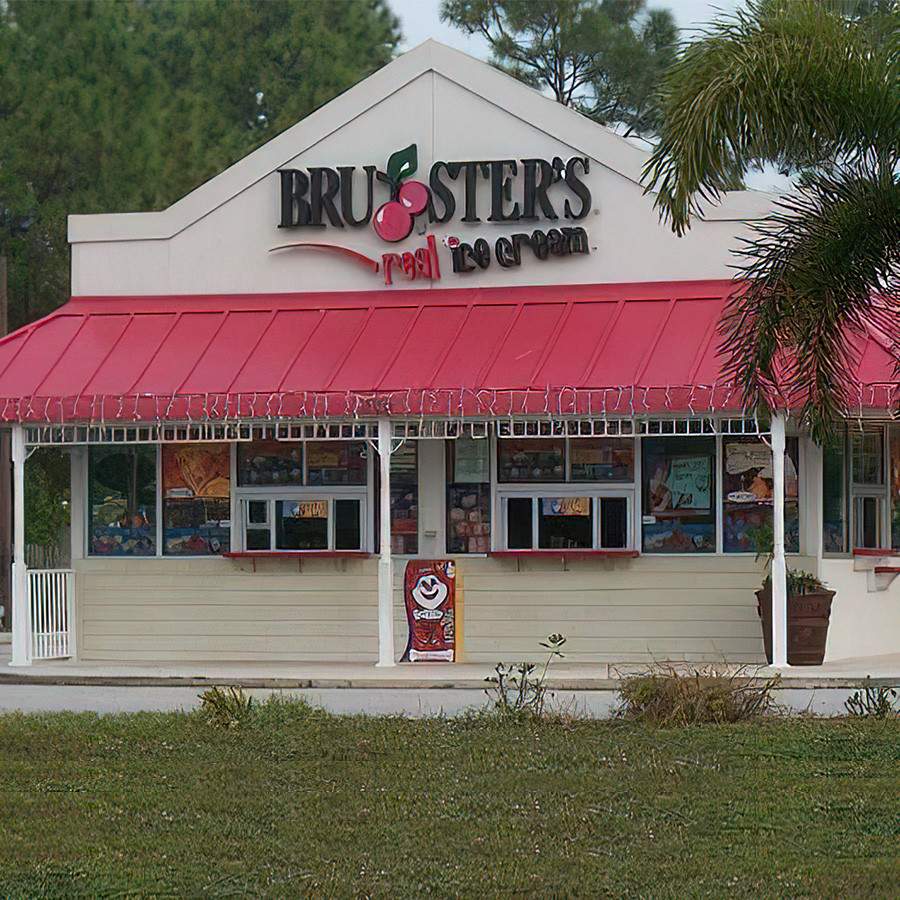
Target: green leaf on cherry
402	164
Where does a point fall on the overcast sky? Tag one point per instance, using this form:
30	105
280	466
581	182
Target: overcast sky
420	20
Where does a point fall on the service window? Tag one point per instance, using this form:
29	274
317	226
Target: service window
566	493
196	490
679	494
569	522
296	495
122	500
747	495
303	523
468	495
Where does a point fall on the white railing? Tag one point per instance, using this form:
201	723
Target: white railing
50	604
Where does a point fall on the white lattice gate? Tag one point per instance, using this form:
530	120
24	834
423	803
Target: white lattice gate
50	604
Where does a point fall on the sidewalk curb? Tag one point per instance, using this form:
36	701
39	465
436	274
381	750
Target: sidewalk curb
370	684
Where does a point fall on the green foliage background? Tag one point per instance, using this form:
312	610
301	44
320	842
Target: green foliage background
123	106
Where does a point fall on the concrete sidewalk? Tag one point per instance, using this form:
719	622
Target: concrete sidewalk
563	675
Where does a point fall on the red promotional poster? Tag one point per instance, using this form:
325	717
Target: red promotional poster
429	590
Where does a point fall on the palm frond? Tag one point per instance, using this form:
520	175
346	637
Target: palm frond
784	81
820	269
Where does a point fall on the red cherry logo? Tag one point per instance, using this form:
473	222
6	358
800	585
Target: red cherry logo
392	222
414	197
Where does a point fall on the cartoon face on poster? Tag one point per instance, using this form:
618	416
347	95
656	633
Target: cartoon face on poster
429	590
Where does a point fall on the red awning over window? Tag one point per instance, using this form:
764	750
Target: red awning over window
585	349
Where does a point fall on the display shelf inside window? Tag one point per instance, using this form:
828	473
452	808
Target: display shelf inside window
468	496
270	462
196	492
602	460
330	463
531	460
122	501
679	495
405	500
747	495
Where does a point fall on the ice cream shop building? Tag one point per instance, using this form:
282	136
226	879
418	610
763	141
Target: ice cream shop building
424	377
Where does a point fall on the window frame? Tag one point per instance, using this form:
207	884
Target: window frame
304	496
535	492
157	528
854	491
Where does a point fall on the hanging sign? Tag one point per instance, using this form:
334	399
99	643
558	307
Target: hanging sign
429	591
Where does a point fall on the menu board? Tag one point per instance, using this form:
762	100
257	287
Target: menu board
196	471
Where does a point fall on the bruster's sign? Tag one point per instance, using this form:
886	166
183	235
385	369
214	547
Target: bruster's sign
321	196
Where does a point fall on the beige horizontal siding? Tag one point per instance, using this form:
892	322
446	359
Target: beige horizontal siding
687	608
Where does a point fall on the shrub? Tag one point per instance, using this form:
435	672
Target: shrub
225	707
516	689
669	696
872	702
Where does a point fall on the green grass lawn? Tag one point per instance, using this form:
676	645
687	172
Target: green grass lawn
301	802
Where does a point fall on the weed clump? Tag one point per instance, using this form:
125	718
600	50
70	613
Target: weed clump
872	702
226	707
668	696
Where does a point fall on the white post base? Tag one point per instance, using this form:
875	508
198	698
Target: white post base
21	614
385	561
385	612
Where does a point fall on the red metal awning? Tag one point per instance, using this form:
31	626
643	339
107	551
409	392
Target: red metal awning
584	349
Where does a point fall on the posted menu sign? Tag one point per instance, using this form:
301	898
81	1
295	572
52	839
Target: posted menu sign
429	591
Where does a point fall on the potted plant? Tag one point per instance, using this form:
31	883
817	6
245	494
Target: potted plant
808	610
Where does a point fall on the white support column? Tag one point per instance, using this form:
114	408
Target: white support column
385	562
21	625
779	567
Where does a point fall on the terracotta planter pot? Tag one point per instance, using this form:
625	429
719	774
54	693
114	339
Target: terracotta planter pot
807	625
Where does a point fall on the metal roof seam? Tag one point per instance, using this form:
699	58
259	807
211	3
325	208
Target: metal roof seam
500	343
272	316
225	314
352	346
551	343
442	358
648	355
601	344
400	344
303	345
176	318
703	349
48	372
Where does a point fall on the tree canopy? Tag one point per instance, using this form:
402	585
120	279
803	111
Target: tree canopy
602	57
118	106
813	87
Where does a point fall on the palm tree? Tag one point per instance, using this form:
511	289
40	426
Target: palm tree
811	86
